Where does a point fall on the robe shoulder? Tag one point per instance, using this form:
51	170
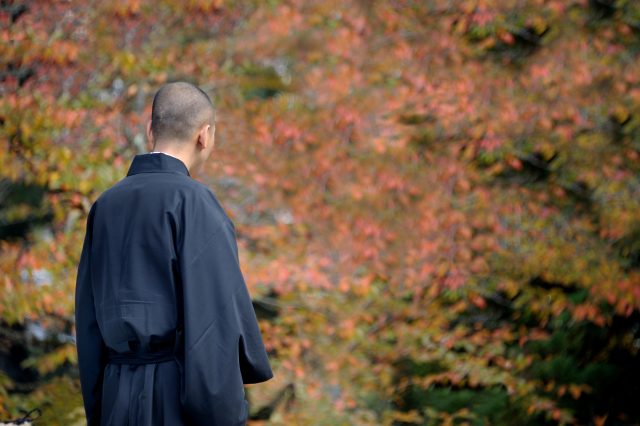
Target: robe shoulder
159	182
202	217
192	207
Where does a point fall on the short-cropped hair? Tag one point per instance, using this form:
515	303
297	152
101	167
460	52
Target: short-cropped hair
179	111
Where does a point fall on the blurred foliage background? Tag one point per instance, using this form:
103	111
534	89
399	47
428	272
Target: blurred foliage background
436	201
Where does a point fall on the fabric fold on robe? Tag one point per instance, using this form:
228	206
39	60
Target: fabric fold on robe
92	351
223	344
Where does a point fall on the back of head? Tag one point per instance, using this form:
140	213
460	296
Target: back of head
179	111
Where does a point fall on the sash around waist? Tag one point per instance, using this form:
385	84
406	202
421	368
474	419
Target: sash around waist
162	355
159	352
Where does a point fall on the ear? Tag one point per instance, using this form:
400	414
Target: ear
149	136
213	134
203	136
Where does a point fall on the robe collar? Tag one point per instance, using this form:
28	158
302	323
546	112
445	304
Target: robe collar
159	162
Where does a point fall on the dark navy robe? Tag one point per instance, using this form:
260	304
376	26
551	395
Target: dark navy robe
165	329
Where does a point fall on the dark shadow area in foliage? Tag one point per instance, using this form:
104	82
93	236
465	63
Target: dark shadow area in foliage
260	82
14	10
488	405
266	307
22	342
535	168
601	9
607	359
285	396
628	248
21	73
21	193
13	351
603	13
527	40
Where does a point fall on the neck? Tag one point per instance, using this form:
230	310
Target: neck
181	155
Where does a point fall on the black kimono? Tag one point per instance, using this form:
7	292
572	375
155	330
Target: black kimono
165	329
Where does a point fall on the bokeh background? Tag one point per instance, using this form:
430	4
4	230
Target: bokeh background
436	201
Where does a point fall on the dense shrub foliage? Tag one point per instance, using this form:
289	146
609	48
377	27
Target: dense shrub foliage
436	201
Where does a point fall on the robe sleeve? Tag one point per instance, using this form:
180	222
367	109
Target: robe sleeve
223	346
91	348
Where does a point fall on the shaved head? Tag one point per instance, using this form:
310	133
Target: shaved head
179	111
